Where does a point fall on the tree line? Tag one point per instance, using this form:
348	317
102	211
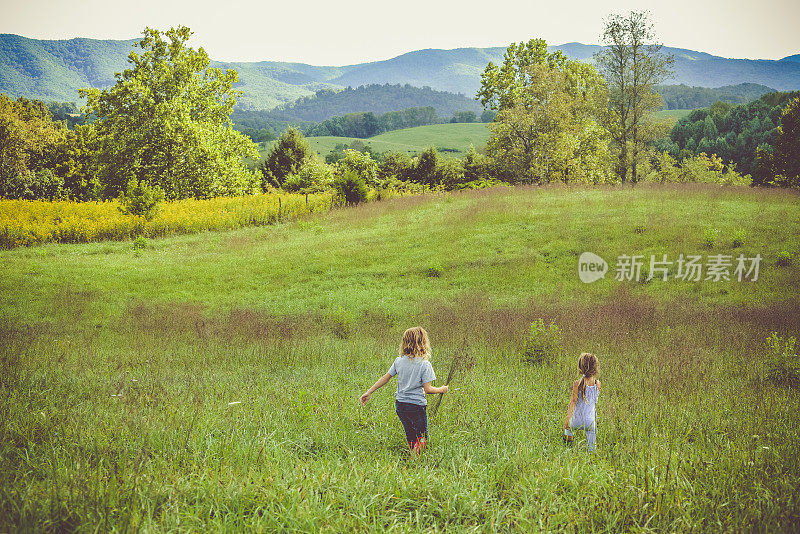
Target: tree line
744	135
165	130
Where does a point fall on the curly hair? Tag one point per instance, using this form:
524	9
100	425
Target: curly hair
415	343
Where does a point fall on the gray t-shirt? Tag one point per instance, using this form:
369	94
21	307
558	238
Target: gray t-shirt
411	374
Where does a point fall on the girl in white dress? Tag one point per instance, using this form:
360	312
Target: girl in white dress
581	412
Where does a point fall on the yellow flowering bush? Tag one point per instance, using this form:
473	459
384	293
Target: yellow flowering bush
31	222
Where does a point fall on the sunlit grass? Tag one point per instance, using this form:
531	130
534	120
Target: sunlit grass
212	382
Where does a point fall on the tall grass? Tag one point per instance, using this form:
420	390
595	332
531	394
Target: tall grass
26	222
133	429
212	383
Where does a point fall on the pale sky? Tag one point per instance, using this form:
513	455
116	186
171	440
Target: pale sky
340	32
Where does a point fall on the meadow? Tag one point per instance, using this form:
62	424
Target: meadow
210	381
452	139
675	114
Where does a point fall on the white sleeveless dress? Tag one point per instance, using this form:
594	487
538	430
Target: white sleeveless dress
585	414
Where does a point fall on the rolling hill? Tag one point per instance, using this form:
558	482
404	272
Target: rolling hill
54	70
450	139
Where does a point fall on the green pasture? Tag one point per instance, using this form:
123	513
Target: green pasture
210	382
451	139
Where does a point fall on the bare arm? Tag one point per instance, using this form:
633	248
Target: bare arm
382	381
432	390
573	401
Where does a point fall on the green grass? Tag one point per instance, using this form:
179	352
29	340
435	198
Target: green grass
119	369
455	139
676	114
458	137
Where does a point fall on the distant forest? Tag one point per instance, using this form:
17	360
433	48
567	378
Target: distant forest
327	103
685	97
362	112
734	133
373	109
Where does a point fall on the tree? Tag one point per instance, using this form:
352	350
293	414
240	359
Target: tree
501	86
167	121
360	163
787	145
28	137
286	157
632	65
426	166
546	125
76	161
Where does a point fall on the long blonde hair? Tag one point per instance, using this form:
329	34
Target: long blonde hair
415	343
587	365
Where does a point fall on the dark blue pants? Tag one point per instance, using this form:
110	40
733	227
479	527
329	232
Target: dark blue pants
414	418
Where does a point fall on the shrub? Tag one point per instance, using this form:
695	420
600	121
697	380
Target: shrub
543	344
710	237
782	367
434	270
139	245
141	200
350	187
477	167
784	258
738	238
314	176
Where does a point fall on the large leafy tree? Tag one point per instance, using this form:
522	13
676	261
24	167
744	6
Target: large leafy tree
501	86
166	121
28	136
546	127
632	65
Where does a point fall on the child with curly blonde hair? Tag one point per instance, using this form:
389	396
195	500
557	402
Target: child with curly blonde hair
414	377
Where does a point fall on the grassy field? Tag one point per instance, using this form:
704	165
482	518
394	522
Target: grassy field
676	114
212	381
455	139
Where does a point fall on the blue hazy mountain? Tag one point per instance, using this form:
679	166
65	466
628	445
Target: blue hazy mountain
55	70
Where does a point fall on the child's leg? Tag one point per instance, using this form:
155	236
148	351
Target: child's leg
415	423
404	414
591	436
577	423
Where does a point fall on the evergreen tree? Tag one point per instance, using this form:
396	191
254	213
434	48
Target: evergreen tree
286	157
787	146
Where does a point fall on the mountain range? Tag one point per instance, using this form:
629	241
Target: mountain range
56	69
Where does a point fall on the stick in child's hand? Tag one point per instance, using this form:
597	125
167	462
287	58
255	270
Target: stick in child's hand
453	365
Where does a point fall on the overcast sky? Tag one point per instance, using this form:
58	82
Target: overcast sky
339	32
